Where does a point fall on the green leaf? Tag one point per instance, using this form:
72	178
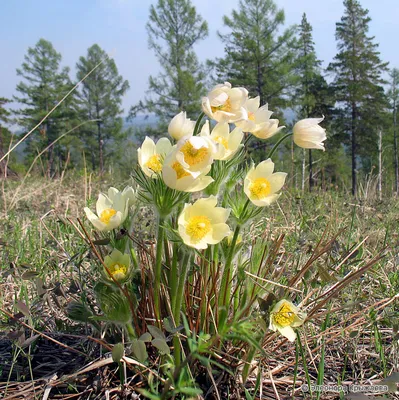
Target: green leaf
145	337
101	242
139	350
28	275
189	391
161	345
117	352
21	306
156	332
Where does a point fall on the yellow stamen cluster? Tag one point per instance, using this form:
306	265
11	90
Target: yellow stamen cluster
118	271
223	141
198	227
251	116
285	316
106	215
226	107
260	188
154	163
192	155
180	171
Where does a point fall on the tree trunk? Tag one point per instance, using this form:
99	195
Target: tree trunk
354	177
100	147
395	150
380	164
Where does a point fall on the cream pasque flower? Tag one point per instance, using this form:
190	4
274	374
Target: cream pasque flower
284	316
180	126
195	153
225	104
202	223
176	177
259	122
111	210
261	184
118	265
228	143
308	134
128	195
151	155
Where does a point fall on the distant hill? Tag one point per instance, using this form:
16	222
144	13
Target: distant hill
142	121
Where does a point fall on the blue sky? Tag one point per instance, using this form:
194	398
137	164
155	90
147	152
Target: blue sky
118	26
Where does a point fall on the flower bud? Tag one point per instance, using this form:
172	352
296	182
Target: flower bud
180	126
308	134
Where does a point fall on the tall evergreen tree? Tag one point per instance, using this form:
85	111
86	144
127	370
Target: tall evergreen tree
174	28
313	94
5	136
393	96
100	99
44	85
358	78
257	56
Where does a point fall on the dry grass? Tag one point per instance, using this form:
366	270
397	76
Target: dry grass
46	355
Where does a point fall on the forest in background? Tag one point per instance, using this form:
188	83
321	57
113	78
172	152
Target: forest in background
357	95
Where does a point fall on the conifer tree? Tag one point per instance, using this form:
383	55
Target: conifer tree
357	83
5	137
100	99
257	55
313	94
174	28
44	85
393	96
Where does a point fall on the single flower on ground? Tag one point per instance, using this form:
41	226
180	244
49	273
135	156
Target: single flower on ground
118	265
308	134
151	155
111	210
202	223
284	316
261	184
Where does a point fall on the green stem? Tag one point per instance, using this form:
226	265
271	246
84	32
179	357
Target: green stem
158	269
130	330
196	129
173	277
226	278
178	304
278	144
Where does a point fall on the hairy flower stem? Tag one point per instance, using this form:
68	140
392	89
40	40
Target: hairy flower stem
178	301
226	278
158	269
173	276
275	147
130	330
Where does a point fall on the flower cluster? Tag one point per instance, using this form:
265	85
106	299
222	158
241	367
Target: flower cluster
193	158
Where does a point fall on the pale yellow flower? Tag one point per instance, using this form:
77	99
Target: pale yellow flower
228	143
111	210
261	184
176	177
284	316
225	104
118	265
195	153
181	126
258	121
308	134
202	223
151	155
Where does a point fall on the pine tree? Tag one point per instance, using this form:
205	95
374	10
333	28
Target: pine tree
256	55
5	137
174	27
44	85
100	99
313	94
393	96
358	68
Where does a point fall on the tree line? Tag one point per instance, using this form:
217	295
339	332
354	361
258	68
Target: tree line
357	93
